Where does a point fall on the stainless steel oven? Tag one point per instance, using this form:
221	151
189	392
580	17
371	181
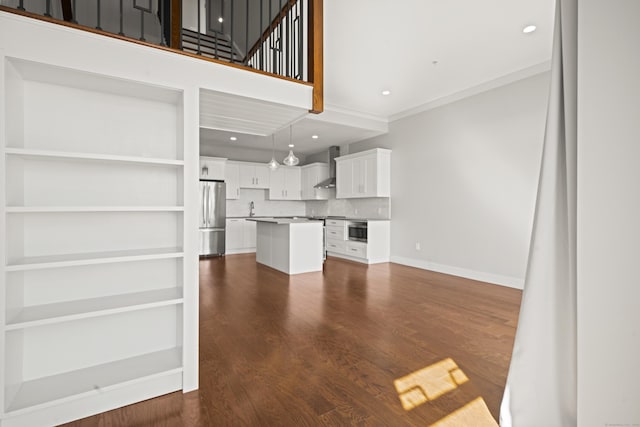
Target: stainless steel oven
357	231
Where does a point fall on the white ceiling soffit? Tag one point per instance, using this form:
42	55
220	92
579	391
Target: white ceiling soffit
233	113
331	128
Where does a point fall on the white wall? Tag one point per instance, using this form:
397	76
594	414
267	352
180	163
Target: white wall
243	154
464	180
608	213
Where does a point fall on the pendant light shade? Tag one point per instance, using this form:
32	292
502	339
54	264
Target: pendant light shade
273	163
291	159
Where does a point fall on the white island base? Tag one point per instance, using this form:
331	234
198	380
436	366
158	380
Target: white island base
290	246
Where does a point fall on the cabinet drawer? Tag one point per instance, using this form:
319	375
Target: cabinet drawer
338	246
357	249
335	233
335	222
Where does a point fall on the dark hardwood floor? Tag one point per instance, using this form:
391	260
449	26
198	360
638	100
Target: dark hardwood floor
326	348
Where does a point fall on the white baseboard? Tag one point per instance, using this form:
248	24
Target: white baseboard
497	279
240	251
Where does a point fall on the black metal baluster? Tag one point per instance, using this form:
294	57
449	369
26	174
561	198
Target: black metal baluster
287	59
47	11
246	32
199	50
142	26
121	32
280	41
98	15
162	17
261	31
270	39
301	40
21	5
231	32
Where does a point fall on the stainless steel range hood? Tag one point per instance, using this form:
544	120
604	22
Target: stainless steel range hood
334	151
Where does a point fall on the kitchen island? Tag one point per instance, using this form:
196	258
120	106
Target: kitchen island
290	245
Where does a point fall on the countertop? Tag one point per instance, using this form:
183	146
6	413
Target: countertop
281	221
302	217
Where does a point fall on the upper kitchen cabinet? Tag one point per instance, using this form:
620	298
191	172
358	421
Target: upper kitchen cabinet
254	175
212	168
285	183
232	180
312	175
364	174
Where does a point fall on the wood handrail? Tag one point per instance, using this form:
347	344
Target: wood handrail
267	32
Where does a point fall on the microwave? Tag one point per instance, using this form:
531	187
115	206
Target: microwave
357	231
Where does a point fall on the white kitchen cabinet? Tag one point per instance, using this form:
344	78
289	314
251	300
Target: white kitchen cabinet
240	236
284	183
254	175
212	168
232	180
98	278
375	250
311	175
364	174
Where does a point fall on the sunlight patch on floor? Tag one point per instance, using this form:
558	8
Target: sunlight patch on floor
474	413
429	383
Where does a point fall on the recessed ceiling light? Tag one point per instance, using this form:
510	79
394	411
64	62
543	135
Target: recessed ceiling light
314	136
529	29
291	145
233	138
386	92
220	19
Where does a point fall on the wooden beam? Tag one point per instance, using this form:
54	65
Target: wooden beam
176	24
316	55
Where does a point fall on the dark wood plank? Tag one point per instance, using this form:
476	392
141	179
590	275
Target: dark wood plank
316	54
325	348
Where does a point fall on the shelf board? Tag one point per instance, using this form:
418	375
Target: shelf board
72	209
82	309
61	155
90	258
56	389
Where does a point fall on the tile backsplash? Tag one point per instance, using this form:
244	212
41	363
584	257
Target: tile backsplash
263	207
373	208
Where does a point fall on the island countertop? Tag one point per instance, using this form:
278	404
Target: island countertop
282	221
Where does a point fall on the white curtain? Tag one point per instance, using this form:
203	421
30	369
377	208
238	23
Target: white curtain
541	385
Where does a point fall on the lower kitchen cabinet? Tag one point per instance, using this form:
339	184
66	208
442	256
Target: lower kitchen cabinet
240	236
375	250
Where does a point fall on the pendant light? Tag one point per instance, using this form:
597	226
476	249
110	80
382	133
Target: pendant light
291	159
273	163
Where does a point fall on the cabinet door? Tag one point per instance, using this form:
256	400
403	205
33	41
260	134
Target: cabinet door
292	184
369	176
232	179
276	184
234	234
344	179
261	176
212	168
249	234
306	180
247	176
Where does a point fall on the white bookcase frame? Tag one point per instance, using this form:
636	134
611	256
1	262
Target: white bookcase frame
98	282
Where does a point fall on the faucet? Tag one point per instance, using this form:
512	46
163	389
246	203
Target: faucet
251	207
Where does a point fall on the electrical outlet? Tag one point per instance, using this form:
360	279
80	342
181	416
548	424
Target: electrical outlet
355	211
418	246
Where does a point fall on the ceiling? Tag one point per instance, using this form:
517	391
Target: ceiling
420	50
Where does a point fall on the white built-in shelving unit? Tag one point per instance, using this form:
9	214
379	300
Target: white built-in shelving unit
93	258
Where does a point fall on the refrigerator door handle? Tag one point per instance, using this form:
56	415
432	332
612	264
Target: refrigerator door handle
206	204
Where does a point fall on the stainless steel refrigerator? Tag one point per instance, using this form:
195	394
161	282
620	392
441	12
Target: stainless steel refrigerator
213	207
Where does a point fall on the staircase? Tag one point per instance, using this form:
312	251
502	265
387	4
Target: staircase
214	45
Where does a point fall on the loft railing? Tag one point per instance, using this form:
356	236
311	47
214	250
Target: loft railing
279	37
